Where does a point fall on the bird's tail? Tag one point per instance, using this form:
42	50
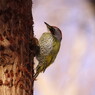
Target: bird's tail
36	74
39	69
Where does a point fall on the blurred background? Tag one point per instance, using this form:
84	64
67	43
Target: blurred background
73	71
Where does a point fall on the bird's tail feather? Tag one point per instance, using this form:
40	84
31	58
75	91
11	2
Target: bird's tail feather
39	69
35	75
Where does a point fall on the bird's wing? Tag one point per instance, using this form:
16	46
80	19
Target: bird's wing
52	55
55	50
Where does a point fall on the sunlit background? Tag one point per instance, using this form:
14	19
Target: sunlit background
73	71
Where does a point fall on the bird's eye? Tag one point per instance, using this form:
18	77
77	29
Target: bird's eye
52	30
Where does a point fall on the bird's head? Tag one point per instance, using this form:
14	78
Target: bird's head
55	31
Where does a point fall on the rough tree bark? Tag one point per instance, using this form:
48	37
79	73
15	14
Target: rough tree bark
16	58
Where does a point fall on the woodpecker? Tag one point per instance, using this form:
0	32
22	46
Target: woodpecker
49	44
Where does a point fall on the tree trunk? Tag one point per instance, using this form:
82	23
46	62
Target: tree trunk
16	38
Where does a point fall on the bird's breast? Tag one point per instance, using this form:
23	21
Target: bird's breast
46	43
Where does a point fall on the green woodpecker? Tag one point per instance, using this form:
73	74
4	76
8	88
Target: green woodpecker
49	44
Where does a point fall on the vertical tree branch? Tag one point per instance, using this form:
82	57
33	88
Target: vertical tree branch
16	37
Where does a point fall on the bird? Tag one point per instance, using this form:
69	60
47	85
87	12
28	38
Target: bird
49	44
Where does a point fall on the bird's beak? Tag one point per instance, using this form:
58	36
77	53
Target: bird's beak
48	26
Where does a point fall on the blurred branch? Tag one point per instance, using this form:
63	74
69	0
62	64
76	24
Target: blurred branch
92	2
